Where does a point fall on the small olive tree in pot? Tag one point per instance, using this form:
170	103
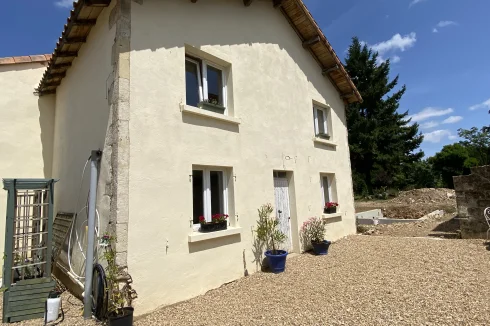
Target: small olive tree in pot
269	234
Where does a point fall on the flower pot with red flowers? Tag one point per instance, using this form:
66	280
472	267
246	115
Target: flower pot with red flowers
219	222
313	231
330	208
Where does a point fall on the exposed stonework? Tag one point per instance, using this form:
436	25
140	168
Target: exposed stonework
472	197
116	150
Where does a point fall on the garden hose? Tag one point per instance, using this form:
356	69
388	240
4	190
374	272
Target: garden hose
99	292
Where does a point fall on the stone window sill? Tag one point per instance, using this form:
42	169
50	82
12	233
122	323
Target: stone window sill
200	236
331	216
324	141
208	114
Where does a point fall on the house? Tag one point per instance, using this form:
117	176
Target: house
199	107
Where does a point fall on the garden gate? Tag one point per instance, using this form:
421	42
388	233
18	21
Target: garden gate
27	261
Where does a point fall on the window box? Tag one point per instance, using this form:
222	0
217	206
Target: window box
211	107
330	210
213	227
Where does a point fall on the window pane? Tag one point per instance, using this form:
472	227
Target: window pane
326	196
217	206
321	121
191	83
197	195
215	85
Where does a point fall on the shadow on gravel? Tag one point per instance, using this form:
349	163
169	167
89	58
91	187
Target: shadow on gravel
487	244
451	225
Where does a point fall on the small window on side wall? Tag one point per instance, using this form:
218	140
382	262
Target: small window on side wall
205	85
321	122
327	182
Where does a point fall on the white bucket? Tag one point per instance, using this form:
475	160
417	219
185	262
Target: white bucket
52	309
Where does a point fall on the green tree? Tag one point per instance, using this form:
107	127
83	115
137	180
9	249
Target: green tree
477	142
382	141
452	160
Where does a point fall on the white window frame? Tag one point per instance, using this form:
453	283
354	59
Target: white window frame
203	82
329	185
206	176
325	113
199	79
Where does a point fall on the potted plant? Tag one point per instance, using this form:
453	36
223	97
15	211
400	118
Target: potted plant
218	223
313	231
330	208
269	234
212	105
119	298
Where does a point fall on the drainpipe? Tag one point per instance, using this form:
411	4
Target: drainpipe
87	297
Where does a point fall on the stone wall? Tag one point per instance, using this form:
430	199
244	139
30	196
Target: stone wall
472	197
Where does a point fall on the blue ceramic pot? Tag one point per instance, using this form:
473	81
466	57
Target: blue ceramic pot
277	262
321	248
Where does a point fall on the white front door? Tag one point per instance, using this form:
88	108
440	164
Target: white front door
283	213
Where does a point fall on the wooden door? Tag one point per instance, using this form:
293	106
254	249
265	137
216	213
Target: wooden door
283	212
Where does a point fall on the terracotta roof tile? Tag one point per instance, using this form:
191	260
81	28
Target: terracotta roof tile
25	59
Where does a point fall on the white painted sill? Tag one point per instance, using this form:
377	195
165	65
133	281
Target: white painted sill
324	141
208	114
331	216
201	236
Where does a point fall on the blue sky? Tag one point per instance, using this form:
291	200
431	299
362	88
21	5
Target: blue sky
440	49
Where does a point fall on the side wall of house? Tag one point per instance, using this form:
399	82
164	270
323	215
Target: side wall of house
26	135
273	82
81	125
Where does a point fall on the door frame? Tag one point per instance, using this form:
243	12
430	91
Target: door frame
293	225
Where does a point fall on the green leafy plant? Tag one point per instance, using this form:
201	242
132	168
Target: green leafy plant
119	296
313	230
267	231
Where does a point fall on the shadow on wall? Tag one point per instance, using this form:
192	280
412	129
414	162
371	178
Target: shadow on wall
231	29
46	105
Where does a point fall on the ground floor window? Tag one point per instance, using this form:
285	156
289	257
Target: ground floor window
209	193
328	186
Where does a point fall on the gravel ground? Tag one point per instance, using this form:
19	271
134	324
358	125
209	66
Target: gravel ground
364	280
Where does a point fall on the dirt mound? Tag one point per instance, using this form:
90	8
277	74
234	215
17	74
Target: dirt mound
413	204
426	196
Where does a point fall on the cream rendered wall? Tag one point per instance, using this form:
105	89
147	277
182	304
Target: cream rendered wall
82	119
26	135
274	83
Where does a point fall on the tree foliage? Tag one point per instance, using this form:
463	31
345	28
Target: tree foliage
383	143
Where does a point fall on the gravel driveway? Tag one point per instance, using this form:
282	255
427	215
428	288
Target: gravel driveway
364	280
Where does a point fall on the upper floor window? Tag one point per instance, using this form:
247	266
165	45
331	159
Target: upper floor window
321	119
205	85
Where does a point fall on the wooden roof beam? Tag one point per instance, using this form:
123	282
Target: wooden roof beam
56	75
326	71
97	3
193	1
45	92
84	22
61	65
247	2
278	3
346	95
312	41
50	84
73	40
66	54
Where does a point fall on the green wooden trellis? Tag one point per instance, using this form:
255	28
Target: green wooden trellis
28	244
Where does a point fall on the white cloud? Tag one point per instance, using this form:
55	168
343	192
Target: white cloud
414	2
453	119
453	137
446	23
442	24
64	3
483	105
429	113
437	135
397	42
429	125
